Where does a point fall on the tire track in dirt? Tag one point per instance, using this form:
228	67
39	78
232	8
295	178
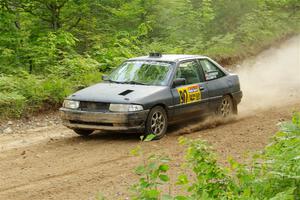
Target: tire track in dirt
62	175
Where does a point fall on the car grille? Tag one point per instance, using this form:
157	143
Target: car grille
94	106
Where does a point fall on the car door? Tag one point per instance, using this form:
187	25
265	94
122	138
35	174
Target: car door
217	82
190	99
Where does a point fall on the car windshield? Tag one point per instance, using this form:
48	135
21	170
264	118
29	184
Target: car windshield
142	72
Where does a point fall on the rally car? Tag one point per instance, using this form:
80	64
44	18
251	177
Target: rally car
148	93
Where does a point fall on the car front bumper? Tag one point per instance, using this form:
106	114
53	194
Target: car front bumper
112	121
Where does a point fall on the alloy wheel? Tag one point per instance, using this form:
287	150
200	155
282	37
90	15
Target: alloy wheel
158	123
226	107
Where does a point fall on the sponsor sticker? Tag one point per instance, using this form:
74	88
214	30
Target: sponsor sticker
189	94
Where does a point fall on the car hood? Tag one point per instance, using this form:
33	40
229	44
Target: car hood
116	93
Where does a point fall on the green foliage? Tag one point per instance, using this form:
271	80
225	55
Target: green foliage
12	104
40	92
152	173
276	175
211	181
273	174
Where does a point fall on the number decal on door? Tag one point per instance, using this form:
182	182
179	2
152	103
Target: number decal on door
189	94
183	95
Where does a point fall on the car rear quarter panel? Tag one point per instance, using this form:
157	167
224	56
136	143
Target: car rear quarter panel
235	89
227	85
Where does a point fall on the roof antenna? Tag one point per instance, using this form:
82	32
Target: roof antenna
155	55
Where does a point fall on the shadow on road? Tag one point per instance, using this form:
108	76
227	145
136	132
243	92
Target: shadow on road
107	135
173	131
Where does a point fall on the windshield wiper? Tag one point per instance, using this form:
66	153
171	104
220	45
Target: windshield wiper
126	82
111	81
133	82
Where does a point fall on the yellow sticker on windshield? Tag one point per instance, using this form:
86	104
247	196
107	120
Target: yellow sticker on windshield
189	94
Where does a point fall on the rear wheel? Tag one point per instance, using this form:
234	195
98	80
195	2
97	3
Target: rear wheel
157	122
83	132
226	108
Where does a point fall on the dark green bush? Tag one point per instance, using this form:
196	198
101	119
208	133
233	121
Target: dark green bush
30	93
12	104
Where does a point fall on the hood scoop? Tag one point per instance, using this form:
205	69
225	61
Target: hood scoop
124	93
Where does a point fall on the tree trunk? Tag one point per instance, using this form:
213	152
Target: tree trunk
55	15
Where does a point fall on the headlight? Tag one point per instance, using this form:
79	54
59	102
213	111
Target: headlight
125	107
71	104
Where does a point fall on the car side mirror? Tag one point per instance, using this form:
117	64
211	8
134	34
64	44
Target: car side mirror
178	82
104	77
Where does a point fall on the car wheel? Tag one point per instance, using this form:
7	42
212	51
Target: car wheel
83	132
226	107
157	122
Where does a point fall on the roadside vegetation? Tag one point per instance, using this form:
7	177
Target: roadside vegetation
273	173
48	49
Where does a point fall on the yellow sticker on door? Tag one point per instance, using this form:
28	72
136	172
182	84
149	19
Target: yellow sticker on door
189	94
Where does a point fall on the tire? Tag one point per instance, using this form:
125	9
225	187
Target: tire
83	132
157	122
226	108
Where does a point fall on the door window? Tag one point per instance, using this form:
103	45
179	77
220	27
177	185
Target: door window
210	70
189	71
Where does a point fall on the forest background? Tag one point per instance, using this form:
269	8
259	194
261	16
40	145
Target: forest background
51	48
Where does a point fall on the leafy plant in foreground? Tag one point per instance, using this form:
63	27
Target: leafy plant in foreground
274	174
152	173
210	181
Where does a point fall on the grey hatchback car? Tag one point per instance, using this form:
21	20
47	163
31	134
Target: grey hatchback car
148	93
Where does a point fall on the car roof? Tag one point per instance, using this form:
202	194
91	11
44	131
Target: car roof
168	57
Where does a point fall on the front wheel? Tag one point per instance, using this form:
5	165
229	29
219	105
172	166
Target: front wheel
157	122
226	108
83	132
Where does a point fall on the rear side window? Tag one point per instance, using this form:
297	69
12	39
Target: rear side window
189	71
211	71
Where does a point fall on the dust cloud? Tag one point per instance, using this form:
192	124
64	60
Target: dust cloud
269	80
272	78
207	123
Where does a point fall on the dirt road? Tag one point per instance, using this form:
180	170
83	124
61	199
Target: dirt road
52	163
